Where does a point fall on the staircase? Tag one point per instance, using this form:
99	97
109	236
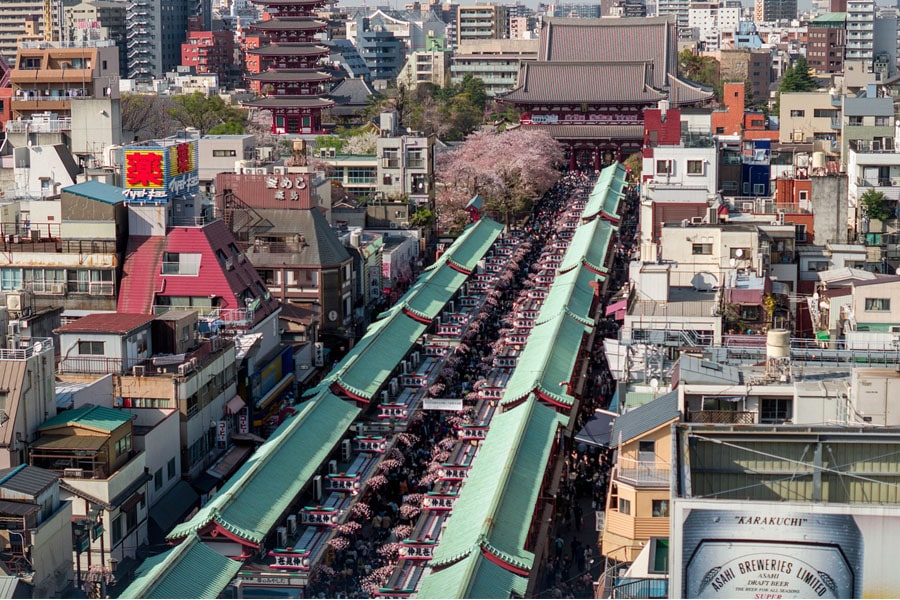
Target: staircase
140	274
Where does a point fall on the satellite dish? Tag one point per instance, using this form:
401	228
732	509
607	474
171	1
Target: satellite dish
654	383
732	262
739	252
38	346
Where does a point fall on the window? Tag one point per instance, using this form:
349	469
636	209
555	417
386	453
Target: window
624	506
882	121
123	445
92	348
170	468
391	158
698	249
803	195
149	403
817	265
660	508
749	312
664	167
10	279
774	410
695	167
798	113
157	480
824	113
759	189
117	530
801	233
855	121
224	153
878	304
415	158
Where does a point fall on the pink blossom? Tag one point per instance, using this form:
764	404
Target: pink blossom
407	439
401	532
376	482
389	551
349	528
339	543
409	511
360	510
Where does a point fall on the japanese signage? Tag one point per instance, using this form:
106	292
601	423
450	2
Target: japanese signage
318	515
342	483
286	187
290	560
158	173
455	404
472	432
392	411
438	501
731	549
268	190
453	473
271	580
243	421
412	550
222	431
371	444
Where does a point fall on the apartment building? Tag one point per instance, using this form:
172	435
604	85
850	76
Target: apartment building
13	15
481	22
827	40
495	62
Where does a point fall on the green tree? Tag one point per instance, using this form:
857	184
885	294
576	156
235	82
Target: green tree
423	217
875	205
203	113
796	78
635	162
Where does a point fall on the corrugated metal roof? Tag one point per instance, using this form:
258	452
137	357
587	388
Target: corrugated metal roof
501	490
692	369
869	107
548	361
27	479
70	442
99	418
322	246
95	190
120	323
8	587
473	577
644	418
12	377
190	570
253	499
17	509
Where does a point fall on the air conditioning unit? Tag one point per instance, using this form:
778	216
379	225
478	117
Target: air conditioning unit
405	366
73	473
19	301
415	358
395	386
404	225
184	369
385	397
292	524
895	181
229	264
282	536
138	370
393	225
332	466
317	488
279	170
697	220
242	258
747	206
346	451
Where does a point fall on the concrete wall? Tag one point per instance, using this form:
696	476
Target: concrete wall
51	553
829	207
96	125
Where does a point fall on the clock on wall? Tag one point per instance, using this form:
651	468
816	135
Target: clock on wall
332	315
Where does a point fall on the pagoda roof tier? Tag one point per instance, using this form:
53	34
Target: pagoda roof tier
290	102
592	132
287	24
585	82
290	76
686	92
290	50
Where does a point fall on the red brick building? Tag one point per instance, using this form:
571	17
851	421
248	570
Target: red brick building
211	52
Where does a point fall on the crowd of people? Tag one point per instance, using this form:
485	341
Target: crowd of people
364	552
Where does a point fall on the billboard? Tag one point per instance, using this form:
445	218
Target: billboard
156	173
728	549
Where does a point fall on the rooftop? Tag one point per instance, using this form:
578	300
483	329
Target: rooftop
120	323
99	418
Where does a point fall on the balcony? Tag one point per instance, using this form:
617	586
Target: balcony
723	417
25	348
39	126
646	473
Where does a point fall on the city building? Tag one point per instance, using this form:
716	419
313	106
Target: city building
827	40
807	116
713	21
13	15
36	525
677	9
155	30
753	66
495	62
767	11
860	34
480	22
382	50
574	11
407	164
96	20
413	28
867	123
287	67
211	52
426	66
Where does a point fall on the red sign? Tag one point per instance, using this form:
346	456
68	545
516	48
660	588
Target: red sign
144	169
243	421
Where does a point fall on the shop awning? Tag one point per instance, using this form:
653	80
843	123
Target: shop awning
598	430
618	309
234	405
174	505
272	394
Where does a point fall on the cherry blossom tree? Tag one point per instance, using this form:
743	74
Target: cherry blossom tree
510	170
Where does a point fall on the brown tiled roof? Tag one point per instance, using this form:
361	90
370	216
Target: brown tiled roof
592	132
579	82
286	24
289	50
287	102
612	40
290	75
120	323
683	92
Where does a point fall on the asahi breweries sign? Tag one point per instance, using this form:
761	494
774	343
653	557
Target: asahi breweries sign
727	549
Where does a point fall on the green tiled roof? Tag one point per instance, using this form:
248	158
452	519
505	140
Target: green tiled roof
371	366
100	418
473	244
589	246
253	499
547	360
472	577
607	192
432	291
497	501
830	17
189	570
571	292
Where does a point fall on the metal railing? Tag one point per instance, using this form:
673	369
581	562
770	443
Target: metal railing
39	126
644	587
722	417
643	472
41	44
24	348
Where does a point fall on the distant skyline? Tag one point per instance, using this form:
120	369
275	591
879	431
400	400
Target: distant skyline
802	5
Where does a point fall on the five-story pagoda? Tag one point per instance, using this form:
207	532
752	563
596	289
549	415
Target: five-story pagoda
289	79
